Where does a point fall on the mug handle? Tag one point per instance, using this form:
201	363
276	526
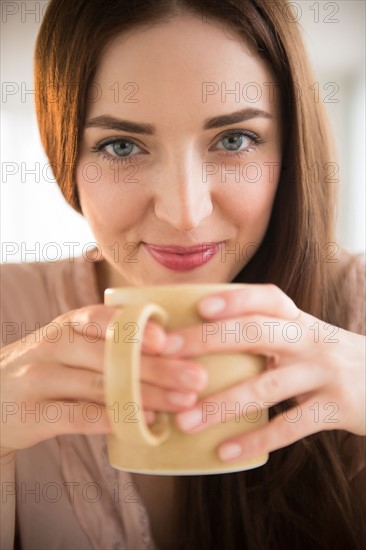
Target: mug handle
122	377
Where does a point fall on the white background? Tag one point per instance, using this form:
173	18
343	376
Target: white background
33	211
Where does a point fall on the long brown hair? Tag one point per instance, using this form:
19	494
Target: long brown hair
302	496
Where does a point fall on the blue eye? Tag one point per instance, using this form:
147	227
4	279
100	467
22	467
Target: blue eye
121	148
238	141
233	142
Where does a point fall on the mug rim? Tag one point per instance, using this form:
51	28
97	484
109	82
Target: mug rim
173	287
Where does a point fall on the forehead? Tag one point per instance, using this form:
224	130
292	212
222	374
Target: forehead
183	64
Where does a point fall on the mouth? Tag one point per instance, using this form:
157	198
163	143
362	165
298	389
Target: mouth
183	258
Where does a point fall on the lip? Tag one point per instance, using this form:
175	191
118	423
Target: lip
183	258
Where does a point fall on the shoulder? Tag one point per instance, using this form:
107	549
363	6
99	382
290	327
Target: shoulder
34	293
23	285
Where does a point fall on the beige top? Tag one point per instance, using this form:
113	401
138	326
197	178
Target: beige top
67	494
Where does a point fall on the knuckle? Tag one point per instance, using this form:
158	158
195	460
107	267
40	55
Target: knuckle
68	319
90	314
277	295
34	372
48	347
273	289
268	386
52	332
84	315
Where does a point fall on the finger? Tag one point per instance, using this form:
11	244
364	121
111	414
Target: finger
154	338
74	338
292	425
150	417
57	381
78	339
253	334
47	419
254	394
175	374
266	299
97	320
157	399
74	350
73	417
90	321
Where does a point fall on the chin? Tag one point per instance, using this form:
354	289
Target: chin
191	277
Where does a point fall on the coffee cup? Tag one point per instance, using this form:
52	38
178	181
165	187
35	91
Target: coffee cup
162	448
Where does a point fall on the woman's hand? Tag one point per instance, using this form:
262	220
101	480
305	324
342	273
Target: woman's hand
52	380
318	366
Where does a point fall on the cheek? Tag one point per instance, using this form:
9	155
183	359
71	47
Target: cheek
248	197
108	202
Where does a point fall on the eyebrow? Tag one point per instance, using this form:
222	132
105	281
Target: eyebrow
111	123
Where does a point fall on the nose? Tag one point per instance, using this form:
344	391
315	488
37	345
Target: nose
182	198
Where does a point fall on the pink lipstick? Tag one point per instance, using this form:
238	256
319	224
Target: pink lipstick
182	258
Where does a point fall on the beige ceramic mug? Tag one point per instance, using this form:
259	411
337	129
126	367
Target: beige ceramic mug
162	448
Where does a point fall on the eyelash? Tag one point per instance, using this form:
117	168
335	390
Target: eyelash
127	160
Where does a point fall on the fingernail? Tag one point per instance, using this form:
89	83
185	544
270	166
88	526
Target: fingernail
231	450
173	344
189	419
212	305
181	399
193	379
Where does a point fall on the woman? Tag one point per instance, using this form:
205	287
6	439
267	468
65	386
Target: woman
170	125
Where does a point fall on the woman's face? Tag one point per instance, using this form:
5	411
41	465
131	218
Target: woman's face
192	155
